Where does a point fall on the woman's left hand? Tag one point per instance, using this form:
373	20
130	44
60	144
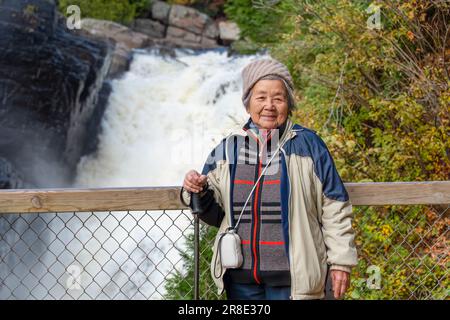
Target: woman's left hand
341	281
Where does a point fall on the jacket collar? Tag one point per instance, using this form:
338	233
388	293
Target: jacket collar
289	131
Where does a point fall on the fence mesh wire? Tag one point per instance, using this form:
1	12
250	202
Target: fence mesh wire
403	254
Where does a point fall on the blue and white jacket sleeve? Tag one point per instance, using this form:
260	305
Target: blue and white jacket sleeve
335	214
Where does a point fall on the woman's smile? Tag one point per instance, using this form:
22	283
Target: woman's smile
268	105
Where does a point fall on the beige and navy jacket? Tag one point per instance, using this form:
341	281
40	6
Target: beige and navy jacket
316	212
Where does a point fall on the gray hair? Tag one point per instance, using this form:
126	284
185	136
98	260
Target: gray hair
289	92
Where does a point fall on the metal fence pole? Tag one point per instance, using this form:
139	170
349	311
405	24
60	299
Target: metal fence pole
196	257
196	210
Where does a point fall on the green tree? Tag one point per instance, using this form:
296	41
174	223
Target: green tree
258	21
180	284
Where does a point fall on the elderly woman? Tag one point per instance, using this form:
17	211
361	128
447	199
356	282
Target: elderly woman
276	183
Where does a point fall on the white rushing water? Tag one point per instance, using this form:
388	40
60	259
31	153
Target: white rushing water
163	118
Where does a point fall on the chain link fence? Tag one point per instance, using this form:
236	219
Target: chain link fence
403	254
96	255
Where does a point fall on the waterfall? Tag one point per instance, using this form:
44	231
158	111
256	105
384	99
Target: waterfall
163	118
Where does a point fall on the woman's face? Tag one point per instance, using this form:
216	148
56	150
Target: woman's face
268	106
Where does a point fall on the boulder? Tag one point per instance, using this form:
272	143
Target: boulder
180	36
124	39
160	11
188	19
177	37
151	28
229	31
211	30
121	34
208	43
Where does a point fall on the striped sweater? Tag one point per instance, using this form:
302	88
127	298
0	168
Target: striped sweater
263	243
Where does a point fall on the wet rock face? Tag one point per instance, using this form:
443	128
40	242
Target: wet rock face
188	19
122	38
179	26
9	178
49	83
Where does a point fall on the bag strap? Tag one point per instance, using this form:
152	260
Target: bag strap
254	187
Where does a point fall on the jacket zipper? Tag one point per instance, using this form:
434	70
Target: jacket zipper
255	210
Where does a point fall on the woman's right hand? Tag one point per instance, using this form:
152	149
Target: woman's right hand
194	181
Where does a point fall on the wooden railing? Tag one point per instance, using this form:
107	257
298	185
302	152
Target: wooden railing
160	198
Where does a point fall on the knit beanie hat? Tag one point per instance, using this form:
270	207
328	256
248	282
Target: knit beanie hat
255	70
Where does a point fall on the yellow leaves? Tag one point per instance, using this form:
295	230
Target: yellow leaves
338	143
397	282
418	230
410	35
350	144
386	230
375	150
